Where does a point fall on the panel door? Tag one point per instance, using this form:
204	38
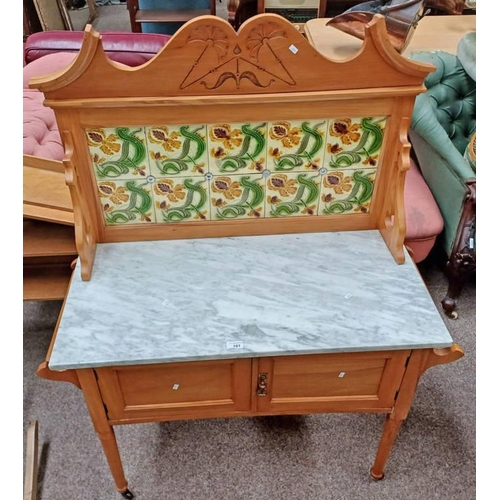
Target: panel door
330	382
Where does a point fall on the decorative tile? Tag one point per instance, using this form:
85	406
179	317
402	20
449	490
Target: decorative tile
126	201
237	196
177	150
354	142
292	194
166	173
237	148
118	153
347	191
296	145
181	199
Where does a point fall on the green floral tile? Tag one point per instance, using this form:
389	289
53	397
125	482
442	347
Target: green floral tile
178	173
354	142
177	150
118	153
126	201
296	145
237	148
346	191
292	194
181	199
237	196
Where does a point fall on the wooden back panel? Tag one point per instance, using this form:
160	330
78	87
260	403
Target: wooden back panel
226	133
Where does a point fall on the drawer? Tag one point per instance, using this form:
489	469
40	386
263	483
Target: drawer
176	390
330	382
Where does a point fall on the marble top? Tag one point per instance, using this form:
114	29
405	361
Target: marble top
215	298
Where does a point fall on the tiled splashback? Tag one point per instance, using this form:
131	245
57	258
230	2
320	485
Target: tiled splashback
239	170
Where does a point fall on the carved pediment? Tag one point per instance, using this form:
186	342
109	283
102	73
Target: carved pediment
206	56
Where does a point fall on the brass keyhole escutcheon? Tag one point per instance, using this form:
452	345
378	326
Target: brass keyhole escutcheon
262	384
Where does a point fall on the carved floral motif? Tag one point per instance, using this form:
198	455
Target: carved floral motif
244	65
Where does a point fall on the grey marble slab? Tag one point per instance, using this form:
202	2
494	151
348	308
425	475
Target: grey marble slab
182	300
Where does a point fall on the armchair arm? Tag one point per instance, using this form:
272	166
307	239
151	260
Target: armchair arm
426	124
444	117
448	183
448	104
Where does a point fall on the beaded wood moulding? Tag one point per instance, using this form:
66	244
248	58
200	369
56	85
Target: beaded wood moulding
235	133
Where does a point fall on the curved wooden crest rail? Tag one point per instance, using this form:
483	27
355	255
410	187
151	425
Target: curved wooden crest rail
267	73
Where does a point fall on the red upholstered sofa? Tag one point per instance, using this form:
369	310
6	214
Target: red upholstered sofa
49	51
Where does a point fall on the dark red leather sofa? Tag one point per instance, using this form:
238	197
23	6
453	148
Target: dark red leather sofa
132	49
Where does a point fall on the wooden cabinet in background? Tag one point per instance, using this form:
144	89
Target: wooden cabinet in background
49	246
49	250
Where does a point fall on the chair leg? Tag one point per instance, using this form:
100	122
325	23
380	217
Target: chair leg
462	262
458	272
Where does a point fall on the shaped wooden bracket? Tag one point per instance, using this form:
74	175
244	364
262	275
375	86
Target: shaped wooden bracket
43	371
443	356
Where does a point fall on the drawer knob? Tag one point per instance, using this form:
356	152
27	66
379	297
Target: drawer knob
262	385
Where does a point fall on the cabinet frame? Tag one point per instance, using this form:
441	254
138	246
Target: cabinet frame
398	382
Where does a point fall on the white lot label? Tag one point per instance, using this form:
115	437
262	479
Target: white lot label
234	345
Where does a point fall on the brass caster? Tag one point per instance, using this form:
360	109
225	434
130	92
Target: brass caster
453	315
127	494
376	477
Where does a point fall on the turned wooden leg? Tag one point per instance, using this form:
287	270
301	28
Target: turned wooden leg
462	262
391	429
402	404
419	361
459	269
104	430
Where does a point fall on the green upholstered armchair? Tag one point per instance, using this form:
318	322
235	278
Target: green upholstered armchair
442	135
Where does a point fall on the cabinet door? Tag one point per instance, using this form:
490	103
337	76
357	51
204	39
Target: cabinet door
329	382
176	390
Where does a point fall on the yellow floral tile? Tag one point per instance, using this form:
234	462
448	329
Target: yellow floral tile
346	191
165	173
296	145
237	196
292	194
177	150
181	199
126	201
354	142
118	153
237	148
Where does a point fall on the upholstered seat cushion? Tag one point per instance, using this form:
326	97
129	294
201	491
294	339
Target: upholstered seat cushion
40	133
423	218
45	65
